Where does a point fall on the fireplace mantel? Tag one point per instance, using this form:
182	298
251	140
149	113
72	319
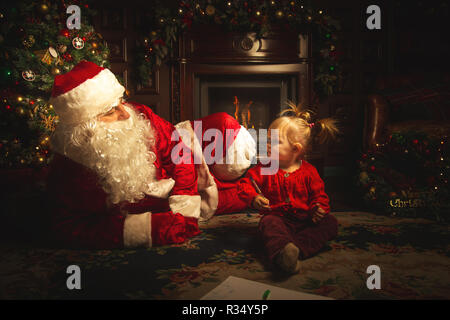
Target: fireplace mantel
208	50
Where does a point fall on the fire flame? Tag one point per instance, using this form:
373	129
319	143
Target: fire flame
245	114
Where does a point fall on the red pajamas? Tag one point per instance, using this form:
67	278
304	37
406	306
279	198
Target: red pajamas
292	196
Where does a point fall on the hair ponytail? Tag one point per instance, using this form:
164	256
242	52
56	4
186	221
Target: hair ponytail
324	129
297	111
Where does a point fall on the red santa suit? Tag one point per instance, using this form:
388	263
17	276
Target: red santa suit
82	216
292	197
181	193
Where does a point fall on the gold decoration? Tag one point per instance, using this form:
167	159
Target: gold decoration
45	56
43	8
55	71
29	41
279	14
49	121
94	45
62	48
210	10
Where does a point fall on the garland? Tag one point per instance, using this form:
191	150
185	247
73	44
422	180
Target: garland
408	176
163	26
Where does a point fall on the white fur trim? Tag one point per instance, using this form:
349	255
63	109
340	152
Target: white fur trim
137	230
238	158
92	97
160	188
207	187
186	205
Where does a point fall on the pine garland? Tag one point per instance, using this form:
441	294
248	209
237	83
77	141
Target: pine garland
162	27
407	176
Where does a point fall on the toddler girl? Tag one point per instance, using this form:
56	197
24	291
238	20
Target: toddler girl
296	223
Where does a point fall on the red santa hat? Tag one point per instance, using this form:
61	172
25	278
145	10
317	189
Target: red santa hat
84	92
239	147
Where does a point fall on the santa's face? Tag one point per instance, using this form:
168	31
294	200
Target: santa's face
117	113
118	148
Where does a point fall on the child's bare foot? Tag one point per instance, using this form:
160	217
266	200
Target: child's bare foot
287	259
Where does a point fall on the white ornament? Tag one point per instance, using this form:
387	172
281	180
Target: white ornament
78	43
28	75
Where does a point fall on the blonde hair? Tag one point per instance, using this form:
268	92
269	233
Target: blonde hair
298	128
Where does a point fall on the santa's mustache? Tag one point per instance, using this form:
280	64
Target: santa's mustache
120	153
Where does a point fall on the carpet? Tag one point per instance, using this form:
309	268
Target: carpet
412	254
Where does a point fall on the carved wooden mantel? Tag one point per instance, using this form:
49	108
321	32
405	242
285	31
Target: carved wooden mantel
210	50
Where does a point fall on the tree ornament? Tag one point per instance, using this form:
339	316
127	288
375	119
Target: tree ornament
29	41
279	14
53	53
28	75
55	71
62	48
44	7
45	55
65	33
94	45
210	10
67	57
78	43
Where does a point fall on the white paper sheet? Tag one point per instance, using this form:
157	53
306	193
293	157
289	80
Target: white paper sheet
234	288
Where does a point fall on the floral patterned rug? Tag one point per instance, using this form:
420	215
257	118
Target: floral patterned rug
413	256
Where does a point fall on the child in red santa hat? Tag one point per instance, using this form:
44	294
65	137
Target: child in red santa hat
296	222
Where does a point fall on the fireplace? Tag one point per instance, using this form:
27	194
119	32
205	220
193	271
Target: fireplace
237	73
254	100
246	77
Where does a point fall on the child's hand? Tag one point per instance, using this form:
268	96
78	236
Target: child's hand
261	203
317	213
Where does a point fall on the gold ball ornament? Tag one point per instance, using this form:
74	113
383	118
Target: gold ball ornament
55	71
43	8
372	190
210	10
279	14
94	45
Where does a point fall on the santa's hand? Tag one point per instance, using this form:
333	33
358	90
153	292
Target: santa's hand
261	203
317	213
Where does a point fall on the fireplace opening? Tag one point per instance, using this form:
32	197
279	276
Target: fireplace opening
254	100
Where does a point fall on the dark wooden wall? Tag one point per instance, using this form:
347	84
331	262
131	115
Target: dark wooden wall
412	37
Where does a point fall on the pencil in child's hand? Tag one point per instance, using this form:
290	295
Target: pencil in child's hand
256	186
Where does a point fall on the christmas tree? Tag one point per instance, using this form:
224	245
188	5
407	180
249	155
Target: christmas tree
35	46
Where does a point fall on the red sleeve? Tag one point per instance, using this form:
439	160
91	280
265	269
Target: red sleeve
184	174
317	190
246	190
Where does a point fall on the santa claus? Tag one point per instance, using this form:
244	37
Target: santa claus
113	181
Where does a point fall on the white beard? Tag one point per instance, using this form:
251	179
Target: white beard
119	152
